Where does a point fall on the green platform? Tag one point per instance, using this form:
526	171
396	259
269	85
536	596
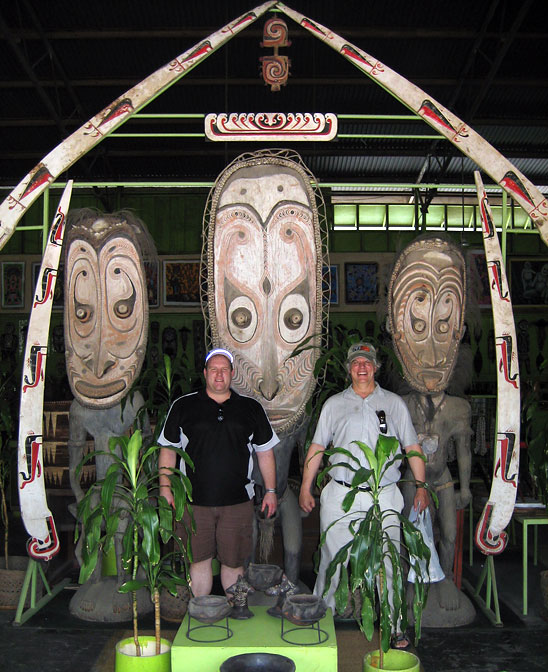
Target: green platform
261	633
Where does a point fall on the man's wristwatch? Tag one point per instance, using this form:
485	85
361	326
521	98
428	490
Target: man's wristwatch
272	490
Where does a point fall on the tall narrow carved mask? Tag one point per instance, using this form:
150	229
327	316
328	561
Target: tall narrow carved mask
106	308
264	261
426	306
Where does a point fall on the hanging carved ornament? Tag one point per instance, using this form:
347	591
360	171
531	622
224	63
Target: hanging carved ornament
275	68
271	126
106	307
426	305
264	296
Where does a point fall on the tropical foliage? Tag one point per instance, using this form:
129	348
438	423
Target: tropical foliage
363	560
129	495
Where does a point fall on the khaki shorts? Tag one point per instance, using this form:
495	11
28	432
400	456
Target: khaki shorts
225	532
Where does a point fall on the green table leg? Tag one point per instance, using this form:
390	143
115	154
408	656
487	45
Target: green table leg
30	582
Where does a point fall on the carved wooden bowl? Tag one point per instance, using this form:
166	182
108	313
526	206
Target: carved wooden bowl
209	608
262	577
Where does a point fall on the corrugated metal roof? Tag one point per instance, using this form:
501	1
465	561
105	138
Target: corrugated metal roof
490	72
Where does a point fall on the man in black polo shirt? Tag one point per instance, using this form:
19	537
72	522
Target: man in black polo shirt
220	429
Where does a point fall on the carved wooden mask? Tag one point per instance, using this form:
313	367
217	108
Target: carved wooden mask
106	310
426	305
264	281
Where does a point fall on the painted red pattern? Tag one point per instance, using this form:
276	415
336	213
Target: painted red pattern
33	444
40	176
507	445
58	229
494	267
353	54
201	50
120	108
50	274
37	365
246	18
485	540
486	221
45	549
505	363
310	25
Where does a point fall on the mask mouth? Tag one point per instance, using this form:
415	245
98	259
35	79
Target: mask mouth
99	391
432	381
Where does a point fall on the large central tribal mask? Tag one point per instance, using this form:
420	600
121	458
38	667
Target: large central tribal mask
426	305
264	263
106	305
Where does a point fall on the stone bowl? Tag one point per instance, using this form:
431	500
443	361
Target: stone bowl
262	577
258	662
303	609
209	608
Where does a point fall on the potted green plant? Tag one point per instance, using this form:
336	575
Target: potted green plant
130	490
363	560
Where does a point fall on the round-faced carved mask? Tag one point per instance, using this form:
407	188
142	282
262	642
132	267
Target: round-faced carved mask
264	281
426	305
106	310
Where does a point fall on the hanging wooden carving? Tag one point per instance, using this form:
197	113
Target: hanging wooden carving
271	126
275	67
490	535
262	285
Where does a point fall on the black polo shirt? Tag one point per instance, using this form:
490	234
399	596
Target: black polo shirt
220	439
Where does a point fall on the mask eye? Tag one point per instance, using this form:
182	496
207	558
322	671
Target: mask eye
419	326
293	318
83	313
124	308
242	319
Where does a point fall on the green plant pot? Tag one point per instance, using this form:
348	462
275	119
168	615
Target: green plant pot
148	661
394	660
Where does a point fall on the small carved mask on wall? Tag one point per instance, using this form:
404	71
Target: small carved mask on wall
426	306
106	307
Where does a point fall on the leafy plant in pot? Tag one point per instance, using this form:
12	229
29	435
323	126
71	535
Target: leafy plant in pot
130	490
363	560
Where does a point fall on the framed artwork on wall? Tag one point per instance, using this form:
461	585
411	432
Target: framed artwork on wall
480	273
181	282
13	284
361	282
529	281
152	275
330	283
58	292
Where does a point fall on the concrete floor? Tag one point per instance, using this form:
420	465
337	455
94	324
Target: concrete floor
53	641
